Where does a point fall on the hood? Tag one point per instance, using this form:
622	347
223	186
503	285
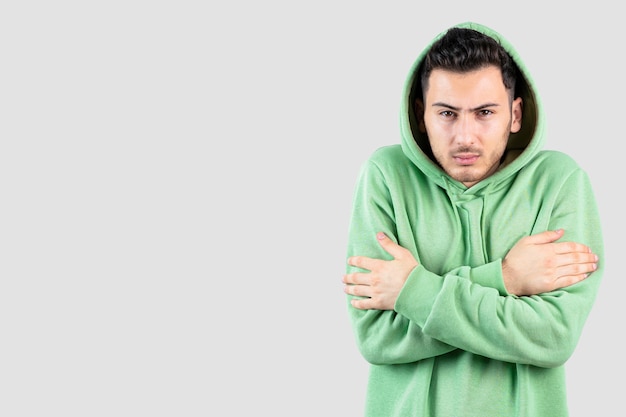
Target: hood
521	147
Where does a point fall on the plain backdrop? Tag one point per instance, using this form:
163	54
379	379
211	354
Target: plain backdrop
176	181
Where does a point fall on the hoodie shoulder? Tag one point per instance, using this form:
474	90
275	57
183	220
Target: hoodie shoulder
557	158
553	164
389	153
390	160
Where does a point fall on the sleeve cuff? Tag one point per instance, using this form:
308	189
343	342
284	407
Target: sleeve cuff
418	295
489	275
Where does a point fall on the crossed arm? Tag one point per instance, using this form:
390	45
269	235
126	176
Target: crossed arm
536	264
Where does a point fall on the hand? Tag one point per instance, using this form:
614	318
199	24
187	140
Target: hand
384	281
537	264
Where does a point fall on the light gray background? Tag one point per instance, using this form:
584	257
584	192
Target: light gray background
175	188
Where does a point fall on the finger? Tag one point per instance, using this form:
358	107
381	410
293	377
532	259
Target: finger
390	246
567	280
545	237
571	247
359	303
352	289
571	258
364	303
357	290
363	262
357	278
576	269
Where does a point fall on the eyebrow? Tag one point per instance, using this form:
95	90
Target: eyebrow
451	107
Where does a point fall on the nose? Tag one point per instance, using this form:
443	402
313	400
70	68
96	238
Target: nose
465	130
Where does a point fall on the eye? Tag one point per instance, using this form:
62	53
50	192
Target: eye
485	112
447	113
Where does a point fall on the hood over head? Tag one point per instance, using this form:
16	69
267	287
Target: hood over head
521	147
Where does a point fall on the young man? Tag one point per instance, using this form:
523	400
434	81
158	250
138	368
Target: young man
473	254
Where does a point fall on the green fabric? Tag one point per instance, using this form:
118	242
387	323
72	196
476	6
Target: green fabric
456	343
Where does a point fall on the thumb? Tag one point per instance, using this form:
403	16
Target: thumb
548	236
389	245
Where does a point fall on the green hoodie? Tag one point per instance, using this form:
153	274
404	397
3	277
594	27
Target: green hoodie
457	344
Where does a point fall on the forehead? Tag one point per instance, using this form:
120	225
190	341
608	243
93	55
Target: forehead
469	88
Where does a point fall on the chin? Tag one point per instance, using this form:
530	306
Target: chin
463	176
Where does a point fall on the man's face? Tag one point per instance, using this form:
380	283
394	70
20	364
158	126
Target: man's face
468	118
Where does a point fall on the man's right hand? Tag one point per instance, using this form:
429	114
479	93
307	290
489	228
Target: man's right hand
538	264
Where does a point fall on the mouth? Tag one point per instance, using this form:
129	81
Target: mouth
465	159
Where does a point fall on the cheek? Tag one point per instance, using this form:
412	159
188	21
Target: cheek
438	147
496	132
437	131
497	147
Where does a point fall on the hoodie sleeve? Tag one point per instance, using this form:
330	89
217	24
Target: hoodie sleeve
541	330
382	337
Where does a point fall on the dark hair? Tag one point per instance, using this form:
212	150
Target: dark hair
463	50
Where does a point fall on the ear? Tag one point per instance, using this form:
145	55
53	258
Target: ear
419	115
516	111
